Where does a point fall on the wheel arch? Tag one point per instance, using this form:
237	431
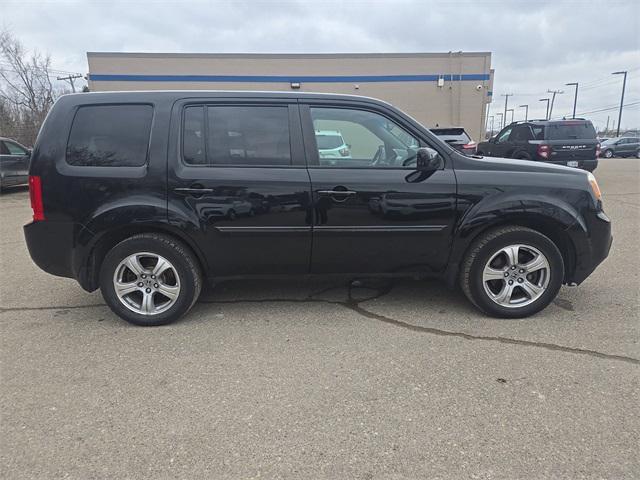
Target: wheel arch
552	228
90	260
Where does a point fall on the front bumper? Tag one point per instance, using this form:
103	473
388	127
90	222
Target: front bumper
592	246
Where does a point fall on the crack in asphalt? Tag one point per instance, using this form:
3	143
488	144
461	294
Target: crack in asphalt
354	304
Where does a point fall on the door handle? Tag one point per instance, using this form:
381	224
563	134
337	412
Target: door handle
193	191
336	192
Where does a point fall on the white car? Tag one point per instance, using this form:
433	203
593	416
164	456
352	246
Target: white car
332	145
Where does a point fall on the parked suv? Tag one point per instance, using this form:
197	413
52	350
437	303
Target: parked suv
621	147
126	187
562	142
14	163
457	138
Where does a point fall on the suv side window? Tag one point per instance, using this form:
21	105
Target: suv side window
15	149
504	136
110	136
521	133
3	149
360	138
236	136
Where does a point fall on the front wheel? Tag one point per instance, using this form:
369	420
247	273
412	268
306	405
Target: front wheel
608	154
512	272
150	279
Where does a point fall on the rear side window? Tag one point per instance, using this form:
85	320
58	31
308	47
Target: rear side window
236	136
570	131
110	136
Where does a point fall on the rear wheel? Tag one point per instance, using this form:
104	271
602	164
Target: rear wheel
512	272
150	279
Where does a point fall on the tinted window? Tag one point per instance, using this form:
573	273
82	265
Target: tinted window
372	140
193	136
570	130
3	149
110	136
248	136
504	135
15	149
521	133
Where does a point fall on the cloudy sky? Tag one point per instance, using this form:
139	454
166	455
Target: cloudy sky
536	45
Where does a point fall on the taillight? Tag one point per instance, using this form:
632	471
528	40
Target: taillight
344	152
35	195
544	151
469	146
597	150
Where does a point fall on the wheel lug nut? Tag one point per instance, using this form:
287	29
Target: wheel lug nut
153	276
140	284
522	270
520	280
506	274
155	285
513	268
148	290
510	282
143	276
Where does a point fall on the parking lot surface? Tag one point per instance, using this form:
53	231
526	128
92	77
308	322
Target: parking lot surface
372	379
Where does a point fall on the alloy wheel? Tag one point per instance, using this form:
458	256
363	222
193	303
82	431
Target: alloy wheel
146	283
516	275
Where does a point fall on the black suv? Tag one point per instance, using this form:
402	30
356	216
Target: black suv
457	138
563	142
146	195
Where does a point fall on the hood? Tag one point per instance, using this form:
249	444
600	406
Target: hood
514	165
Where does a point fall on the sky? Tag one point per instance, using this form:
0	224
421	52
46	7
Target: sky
536	45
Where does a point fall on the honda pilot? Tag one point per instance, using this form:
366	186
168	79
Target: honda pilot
147	195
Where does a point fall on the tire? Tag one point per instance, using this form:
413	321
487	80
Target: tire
607	154
489	250
182	280
523	156
231	214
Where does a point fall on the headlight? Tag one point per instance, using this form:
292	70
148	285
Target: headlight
594	186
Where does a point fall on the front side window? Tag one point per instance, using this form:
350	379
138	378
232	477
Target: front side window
110	136
358	138
15	149
504	136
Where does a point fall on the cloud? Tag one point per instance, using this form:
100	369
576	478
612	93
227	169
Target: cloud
536	45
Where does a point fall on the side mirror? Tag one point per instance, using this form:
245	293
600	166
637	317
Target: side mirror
427	160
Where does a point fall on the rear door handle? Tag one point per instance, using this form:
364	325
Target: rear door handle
193	191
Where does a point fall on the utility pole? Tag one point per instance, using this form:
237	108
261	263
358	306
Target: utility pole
575	98
506	99
553	99
500	125
511	110
606	129
624	84
491	134
526	112
70	79
546	117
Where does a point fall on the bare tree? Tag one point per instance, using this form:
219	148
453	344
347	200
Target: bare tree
26	90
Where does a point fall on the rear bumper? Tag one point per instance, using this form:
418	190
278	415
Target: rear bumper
592	246
50	245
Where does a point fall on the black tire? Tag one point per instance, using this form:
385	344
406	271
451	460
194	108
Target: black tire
607	154
523	156
486	246
231	214
176	253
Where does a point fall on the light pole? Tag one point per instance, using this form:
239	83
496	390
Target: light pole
553	99
526	112
546	117
624	84
501	115
511	110
506	99
491	134
575	97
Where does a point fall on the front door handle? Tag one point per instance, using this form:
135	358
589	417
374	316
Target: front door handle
193	191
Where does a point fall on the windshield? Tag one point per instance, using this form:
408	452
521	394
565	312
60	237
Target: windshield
327	142
570	131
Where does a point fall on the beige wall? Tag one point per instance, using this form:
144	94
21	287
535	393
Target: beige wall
456	103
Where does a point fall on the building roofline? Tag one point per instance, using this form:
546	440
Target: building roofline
288	55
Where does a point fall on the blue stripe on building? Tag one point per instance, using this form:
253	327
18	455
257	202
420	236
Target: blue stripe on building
286	78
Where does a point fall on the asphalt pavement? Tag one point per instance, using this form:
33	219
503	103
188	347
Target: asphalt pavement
372	379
